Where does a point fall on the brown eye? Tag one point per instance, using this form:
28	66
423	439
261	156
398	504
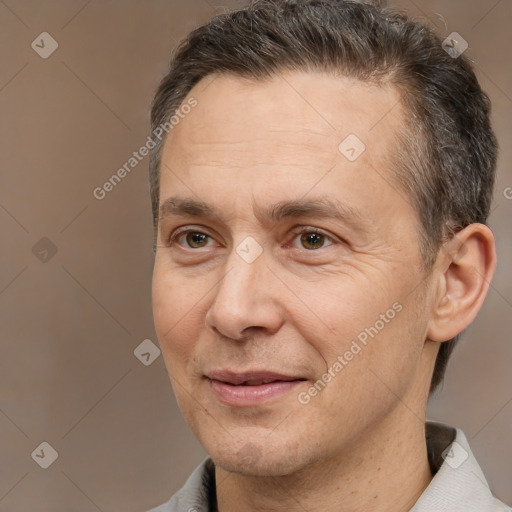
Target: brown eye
195	239
190	239
312	240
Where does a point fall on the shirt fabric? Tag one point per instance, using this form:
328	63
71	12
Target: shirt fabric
458	484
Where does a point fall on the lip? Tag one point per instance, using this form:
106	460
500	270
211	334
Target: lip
229	388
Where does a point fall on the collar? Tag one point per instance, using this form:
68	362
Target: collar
458	484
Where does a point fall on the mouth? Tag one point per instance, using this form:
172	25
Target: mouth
250	388
251	378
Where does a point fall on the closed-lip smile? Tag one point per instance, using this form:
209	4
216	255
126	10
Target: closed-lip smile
250	388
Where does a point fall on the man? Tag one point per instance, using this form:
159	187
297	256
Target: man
320	205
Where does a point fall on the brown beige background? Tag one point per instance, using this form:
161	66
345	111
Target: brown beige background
69	325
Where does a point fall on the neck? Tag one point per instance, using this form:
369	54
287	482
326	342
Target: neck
385	470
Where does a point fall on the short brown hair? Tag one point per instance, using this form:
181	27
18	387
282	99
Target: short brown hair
445	157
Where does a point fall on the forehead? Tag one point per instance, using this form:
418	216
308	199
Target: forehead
282	137
291	116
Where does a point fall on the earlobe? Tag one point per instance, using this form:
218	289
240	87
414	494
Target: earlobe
469	260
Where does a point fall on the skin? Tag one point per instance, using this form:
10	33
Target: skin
359	444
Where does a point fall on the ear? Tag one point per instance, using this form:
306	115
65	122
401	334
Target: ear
467	262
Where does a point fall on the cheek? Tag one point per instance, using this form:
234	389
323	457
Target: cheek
391	347
341	315
176	312
369	369
372	326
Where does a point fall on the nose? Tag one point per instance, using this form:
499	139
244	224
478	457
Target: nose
246	300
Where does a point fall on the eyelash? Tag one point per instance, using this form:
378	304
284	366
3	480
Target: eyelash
305	229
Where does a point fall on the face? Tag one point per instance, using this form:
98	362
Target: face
288	294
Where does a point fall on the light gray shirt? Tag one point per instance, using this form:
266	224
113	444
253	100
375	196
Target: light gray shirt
458	484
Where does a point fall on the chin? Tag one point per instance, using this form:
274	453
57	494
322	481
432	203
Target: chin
265	466
256	458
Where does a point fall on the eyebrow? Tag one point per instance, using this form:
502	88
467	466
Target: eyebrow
325	206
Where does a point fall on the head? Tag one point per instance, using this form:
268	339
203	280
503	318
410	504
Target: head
301	108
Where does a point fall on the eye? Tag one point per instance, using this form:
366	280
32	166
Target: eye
312	239
192	239
307	238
